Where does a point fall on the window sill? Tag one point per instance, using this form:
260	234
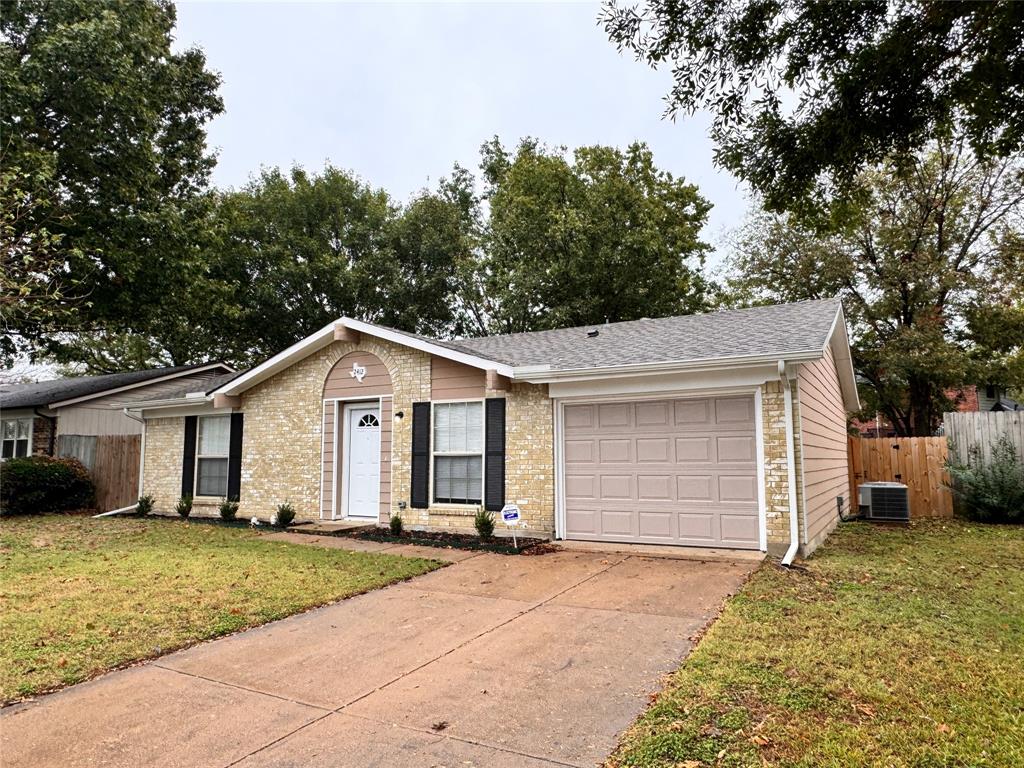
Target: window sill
455	510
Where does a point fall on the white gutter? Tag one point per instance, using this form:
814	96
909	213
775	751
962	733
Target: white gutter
545	374
142	448
794	525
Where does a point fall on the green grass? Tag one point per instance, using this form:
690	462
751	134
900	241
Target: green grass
80	596
895	647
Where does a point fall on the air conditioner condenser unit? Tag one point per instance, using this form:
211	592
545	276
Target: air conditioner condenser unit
884	501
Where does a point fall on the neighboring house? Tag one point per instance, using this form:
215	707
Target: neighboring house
969	399
33	417
713	430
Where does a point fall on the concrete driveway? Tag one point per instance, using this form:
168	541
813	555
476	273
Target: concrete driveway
493	661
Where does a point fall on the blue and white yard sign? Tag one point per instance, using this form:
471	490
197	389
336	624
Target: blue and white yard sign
510	514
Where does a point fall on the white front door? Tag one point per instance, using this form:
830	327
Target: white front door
362	461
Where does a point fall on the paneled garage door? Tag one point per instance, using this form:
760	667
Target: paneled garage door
662	472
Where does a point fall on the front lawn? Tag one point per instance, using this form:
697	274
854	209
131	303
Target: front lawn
79	596
895	647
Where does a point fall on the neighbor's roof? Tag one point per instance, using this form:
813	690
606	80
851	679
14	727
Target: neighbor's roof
775	331
44	393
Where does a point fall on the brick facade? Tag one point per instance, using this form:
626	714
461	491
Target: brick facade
284	433
43	439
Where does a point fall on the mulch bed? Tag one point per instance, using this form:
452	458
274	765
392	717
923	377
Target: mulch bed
500	545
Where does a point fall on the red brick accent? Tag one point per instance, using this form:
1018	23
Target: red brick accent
42	429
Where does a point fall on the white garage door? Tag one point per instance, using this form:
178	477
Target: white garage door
662	472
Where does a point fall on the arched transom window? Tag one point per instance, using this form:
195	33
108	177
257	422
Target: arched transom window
369	420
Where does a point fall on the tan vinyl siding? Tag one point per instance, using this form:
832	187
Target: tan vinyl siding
84	420
386	421
823	436
454	381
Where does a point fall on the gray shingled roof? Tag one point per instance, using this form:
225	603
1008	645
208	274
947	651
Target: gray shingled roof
774	330
45	392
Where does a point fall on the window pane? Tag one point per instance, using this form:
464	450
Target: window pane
8	450
24	426
474	427
9	429
21	448
441	428
458	479
213	435
212	477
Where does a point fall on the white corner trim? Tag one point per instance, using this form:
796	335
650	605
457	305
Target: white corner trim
762	505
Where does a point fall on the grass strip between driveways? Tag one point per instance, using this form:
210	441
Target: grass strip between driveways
895	647
79	596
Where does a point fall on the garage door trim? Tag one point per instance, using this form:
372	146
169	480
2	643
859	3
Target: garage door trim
559	444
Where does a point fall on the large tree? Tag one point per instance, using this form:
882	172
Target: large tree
928	262
599	235
806	94
107	123
293	251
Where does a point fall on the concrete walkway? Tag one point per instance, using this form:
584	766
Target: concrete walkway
493	661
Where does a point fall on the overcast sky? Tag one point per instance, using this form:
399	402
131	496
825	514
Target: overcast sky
398	93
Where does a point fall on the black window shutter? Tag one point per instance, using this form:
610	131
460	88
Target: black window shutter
419	495
188	461
494	457
235	458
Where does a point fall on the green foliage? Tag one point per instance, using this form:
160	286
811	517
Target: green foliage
285	515
396	524
990	491
484	523
37	484
144	505
184	507
928	265
294	251
603	235
805	95
228	509
105	126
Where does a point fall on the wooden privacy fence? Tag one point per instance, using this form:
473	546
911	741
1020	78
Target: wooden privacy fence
918	462
983	429
113	461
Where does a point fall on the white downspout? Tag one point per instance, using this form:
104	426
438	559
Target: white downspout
794	525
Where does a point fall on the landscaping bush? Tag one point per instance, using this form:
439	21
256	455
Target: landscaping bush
991	492
285	515
228	509
184	507
396	524
35	484
144	505
484	523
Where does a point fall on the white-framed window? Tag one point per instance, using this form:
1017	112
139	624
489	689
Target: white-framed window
458	452
212	446
17	437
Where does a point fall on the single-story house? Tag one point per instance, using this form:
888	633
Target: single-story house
33	417
722	430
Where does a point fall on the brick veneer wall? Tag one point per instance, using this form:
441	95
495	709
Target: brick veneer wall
161	471
776	474
42	435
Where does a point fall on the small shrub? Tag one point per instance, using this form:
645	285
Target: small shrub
396	524
991	492
35	484
184	507
144	505
285	515
228	509
484	523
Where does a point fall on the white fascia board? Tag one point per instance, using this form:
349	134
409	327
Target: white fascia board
839	340
279	362
137	384
425	346
548	376
177	408
691	383
325	336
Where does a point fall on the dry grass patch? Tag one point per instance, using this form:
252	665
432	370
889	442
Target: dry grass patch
80	596
895	647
